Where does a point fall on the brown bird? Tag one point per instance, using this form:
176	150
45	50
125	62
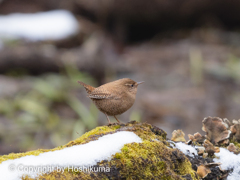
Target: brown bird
113	98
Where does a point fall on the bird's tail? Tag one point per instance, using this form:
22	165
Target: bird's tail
88	88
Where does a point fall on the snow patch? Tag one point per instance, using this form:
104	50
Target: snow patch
57	24
79	155
229	161
186	149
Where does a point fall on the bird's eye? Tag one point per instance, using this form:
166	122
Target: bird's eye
132	85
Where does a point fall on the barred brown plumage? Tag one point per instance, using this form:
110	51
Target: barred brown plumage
113	98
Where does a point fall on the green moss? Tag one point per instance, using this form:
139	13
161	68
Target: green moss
151	160
66	176
235	143
186	168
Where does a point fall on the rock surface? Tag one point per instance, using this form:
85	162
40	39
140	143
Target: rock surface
154	158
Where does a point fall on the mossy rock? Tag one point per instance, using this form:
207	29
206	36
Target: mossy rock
152	159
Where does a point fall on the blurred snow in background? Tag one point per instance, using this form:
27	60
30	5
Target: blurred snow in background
51	25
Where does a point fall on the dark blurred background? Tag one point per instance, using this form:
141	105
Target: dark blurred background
187	52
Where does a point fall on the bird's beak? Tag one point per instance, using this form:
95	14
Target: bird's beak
140	82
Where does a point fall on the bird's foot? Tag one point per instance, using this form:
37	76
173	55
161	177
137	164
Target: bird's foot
112	124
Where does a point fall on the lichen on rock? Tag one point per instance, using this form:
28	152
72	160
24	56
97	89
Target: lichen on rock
178	136
197	138
216	130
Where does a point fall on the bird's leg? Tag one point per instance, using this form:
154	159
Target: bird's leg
117	119
108	118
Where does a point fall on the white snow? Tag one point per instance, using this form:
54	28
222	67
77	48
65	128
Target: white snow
79	155
186	149
51	25
229	161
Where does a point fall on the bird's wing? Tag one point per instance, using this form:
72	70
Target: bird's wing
100	93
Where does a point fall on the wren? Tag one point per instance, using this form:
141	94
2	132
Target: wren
113	98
